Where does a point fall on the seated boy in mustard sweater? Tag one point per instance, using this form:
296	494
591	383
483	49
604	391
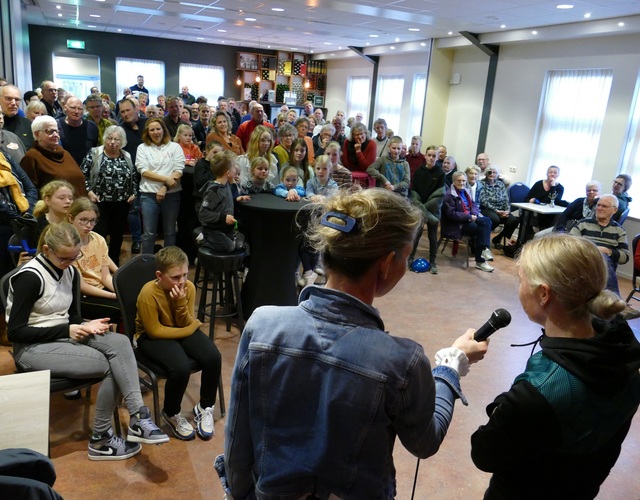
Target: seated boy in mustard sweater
168	332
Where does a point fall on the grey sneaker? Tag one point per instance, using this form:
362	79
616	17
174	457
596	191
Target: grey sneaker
483	266
143	430
433	269
180	426
204	421
111	447
487	255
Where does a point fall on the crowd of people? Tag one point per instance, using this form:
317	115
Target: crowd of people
182	161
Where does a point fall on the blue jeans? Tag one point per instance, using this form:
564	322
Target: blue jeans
151	209
135	226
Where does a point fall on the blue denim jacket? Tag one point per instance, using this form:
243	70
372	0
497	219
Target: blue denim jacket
319	393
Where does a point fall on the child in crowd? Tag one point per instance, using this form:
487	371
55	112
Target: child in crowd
217	211
168	332
258	182
202	171
392	172
184	137
288	187
56	198
321	185
298	158
233	176
339	173
96	268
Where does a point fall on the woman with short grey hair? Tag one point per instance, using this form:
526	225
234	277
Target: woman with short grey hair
112	184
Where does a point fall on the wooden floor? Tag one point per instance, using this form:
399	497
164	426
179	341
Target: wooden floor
432	310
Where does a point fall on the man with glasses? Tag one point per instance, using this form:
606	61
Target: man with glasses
10	99
77	136
50	98
93	104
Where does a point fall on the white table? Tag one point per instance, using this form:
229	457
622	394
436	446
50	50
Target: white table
537	208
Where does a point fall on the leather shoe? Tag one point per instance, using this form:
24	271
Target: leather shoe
136	247
497	244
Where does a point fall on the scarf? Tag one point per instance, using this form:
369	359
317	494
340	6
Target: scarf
7	179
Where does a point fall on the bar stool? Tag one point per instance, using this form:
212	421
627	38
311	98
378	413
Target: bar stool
220	277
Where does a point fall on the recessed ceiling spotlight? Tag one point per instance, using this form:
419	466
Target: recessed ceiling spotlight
587	15
294	48
423	44
268	46
222	31
91	26
59	15
58	7
621	24
534	32
368	43
333	54
250	19
392	47
414	29
119	30
564	6
339	48
277	9
94	15
450	33
327	43
199	38
374	36
503	26
397	40
312	51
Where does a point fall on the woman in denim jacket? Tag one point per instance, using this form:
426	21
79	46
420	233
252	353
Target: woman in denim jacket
320	391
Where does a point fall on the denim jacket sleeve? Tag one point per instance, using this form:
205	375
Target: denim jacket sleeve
425	410
238	445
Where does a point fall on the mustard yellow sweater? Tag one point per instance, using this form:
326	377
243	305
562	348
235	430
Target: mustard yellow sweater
161	317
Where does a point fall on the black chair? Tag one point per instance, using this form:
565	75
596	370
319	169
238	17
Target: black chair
59	384
636	271
127	282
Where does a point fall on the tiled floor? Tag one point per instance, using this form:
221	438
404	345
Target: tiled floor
432	310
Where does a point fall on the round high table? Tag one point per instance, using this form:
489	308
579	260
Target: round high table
269	223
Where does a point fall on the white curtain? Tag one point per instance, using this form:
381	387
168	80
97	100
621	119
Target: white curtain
630	162
127	71
570	121
416	111
358	90
389	100
202	80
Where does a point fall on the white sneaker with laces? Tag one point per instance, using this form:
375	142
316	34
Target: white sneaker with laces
180	426
487	255
204	421
483	266
310	278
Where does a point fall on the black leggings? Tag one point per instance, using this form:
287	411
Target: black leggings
175	356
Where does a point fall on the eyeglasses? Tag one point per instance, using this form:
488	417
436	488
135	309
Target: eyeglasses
69	260
114	139
51	131
75	108
90	222
9	99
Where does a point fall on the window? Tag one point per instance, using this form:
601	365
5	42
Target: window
389	100
630	162
127	71
202	80
358	90
76	73
570	119
416	111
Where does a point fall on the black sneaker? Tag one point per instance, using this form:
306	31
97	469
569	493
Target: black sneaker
143	430
111	447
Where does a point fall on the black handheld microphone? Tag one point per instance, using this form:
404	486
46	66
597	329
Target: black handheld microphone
499	319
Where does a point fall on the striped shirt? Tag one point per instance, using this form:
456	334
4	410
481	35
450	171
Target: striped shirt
611	236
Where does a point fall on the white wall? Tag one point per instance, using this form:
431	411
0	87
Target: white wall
519	81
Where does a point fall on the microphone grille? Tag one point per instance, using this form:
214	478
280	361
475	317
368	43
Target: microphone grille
502	318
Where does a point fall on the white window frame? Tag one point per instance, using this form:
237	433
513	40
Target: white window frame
358	92
202	80
389	100
127	71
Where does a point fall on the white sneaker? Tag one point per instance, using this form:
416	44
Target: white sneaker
487	255
483	266
180	426
204	421
309	278
319	270
300	280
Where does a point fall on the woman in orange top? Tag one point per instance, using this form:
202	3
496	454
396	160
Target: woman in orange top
220	126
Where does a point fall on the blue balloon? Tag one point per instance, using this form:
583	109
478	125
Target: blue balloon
420	266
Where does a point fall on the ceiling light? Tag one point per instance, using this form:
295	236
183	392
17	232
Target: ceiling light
188	4
250	19
238	81
312	51
94	15
59	15
414	29
222	31
564	6
620	24
333	54
119	30
373	36
534	32
91	26
58	7
339	48
327	43
199	38
587	15
450	33
397	39
294	48
368	43
277	9
423	44
503	26
392	47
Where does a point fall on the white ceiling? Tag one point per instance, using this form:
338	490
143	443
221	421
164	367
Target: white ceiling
325	25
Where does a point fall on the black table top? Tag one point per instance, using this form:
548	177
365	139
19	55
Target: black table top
271	202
